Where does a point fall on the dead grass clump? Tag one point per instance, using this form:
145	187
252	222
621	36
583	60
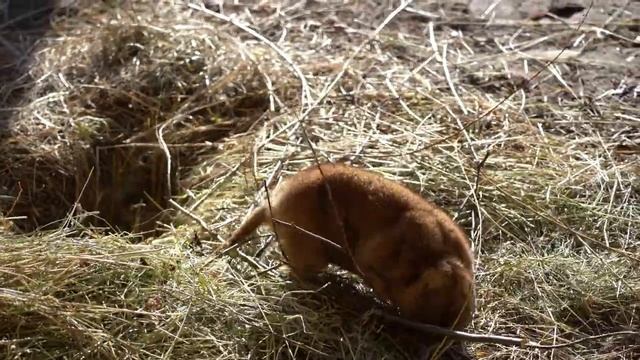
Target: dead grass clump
104	297
112	101
559	293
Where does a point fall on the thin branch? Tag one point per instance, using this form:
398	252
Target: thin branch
77	202
289	225
306	232
476	197
453	334
479	167
584	339
493	339
273	221
194	217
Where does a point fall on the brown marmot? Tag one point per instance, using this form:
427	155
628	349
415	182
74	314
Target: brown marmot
406	248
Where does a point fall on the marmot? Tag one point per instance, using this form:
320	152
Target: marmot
406	248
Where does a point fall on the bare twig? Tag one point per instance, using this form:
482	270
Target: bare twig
77	202
492	339
479	167
292	226
194	217
306	232
422	13
273	221
476	197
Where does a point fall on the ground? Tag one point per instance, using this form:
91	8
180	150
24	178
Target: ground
135	135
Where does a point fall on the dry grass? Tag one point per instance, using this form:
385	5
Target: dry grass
554	216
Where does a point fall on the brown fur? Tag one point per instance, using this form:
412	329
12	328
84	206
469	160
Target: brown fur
407	249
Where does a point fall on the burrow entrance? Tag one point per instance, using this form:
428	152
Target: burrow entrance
87	136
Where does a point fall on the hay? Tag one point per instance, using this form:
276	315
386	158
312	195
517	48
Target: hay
106	92
553	215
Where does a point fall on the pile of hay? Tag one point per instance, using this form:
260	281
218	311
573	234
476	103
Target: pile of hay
111	97
143	134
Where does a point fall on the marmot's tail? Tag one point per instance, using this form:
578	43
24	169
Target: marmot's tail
249	225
